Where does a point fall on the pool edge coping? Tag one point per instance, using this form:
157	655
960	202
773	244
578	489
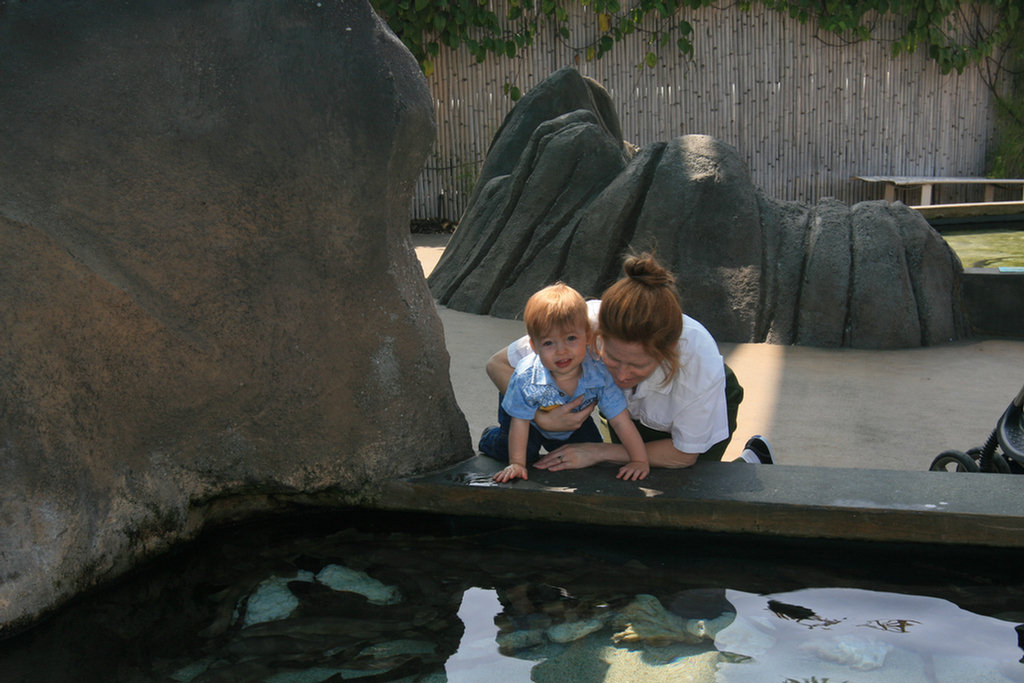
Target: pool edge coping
775	501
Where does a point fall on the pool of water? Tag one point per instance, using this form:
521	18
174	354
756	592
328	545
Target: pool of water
988	248
433	599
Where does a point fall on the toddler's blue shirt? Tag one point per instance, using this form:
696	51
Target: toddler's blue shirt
532	387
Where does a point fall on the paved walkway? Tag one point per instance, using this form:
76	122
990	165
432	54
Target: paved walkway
893	409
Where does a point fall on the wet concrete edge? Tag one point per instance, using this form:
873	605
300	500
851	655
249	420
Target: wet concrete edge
781	501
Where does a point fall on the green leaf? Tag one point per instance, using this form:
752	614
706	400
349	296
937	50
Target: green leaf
651	59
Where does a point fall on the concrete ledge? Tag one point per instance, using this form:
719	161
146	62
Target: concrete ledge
798	502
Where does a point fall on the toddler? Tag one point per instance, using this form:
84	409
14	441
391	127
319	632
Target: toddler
560	370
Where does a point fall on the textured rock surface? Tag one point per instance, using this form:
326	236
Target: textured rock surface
210	304
751	268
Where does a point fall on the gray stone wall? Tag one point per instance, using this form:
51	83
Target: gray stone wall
209	302
568	197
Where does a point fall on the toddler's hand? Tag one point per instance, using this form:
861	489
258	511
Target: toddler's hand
633	471
511	472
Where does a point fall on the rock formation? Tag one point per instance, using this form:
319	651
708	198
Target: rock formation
567	196
210	301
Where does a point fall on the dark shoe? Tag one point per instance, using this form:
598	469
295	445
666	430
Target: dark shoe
758	448
491	441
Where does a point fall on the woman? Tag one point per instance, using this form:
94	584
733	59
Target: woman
679	391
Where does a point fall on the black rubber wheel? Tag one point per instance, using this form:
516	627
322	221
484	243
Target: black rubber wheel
1000	465
954	461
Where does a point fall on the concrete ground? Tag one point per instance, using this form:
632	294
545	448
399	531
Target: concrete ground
892	409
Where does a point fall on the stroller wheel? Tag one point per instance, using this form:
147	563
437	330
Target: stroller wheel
997	464
953	461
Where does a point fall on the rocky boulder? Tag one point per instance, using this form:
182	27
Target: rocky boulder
210	302
751	268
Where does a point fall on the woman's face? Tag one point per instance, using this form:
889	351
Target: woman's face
628	362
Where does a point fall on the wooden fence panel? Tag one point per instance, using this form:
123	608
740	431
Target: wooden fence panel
805	111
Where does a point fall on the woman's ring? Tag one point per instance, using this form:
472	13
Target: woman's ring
561	459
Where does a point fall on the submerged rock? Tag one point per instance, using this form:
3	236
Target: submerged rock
510	642
647	620
272	600
568	632
341	578
394	648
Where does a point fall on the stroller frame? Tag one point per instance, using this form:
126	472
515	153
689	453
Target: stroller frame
1002	453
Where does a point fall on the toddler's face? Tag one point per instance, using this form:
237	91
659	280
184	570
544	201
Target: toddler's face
562	350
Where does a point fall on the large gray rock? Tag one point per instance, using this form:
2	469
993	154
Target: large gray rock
751	268
210	302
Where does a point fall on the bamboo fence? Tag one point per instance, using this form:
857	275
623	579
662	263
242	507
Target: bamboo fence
805	110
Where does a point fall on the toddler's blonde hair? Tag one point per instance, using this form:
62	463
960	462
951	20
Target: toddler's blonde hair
555	307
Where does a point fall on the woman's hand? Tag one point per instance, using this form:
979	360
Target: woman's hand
574	456
634	470
562	418
511	472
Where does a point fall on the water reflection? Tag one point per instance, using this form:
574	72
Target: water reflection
434	600
841	633
477	658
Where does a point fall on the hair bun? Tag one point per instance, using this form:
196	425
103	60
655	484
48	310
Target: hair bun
645	269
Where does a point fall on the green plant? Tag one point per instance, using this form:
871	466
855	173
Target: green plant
955	33
1006	151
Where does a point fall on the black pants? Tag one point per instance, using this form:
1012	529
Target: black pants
733	398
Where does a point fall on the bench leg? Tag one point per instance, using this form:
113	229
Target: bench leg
926	195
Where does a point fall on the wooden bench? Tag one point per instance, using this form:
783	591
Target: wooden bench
926	183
